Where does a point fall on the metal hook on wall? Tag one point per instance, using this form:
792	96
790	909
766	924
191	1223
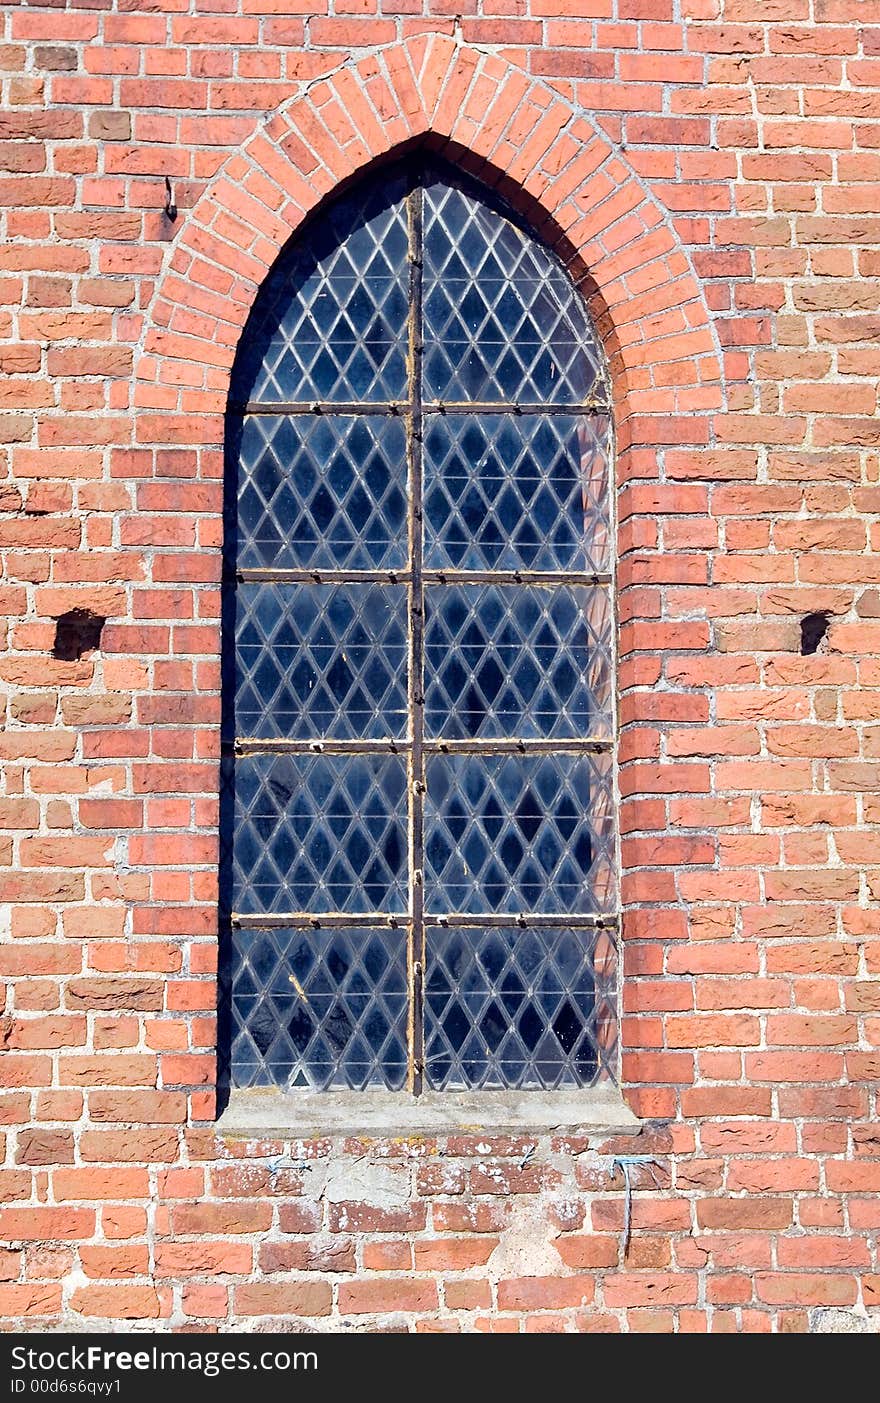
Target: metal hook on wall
626	1163
170	206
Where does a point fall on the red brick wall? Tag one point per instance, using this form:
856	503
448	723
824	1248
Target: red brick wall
714	165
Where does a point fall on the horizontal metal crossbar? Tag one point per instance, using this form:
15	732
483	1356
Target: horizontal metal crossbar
398	408
256	745
331	920
267	575
377	920
604	921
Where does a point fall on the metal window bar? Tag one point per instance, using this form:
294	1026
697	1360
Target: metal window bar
417	578
267	575
418	786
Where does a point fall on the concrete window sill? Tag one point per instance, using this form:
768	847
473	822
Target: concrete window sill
271	1113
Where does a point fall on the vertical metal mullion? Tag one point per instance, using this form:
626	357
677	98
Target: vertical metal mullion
416	951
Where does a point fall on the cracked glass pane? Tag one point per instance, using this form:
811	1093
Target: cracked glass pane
519	1007
321	660
321	1008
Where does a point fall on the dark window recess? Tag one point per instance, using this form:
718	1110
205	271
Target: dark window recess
77	632
418	824
814	627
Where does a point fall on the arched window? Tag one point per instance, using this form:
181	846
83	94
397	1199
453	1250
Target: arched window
419	834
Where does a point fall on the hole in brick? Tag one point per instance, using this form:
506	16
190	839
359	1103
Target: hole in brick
77	631
813	629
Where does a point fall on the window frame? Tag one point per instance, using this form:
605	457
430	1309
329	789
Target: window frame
417	578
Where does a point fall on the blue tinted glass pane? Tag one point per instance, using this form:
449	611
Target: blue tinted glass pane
518	833
519	1007
320	833
517	661
321	660
509	492
502	321
330	322
318	1009
325	491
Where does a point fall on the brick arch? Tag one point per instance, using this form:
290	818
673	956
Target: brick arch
516	133
579	192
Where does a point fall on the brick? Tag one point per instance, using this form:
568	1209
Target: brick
737	1214
206	1258
140	994
127	1302
647	1289
588	1252
47	1224
331	1255
101	1183
111	1146
32	1299
45	1147
803	1288
543	1293
361	1217
203	1301
131	1069
457	1255
387	1296
115	1263
468	1295
308	1298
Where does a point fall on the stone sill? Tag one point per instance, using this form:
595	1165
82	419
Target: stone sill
256	1114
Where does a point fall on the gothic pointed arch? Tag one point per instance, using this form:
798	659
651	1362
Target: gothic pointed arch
419	697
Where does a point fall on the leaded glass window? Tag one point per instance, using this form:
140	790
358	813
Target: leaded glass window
418	858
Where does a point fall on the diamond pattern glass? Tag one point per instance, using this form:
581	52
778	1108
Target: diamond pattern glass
518	833
371	755
502	320
515	492
321	661
319	1009
517	661
331	321
320	833
519	1008
322	492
